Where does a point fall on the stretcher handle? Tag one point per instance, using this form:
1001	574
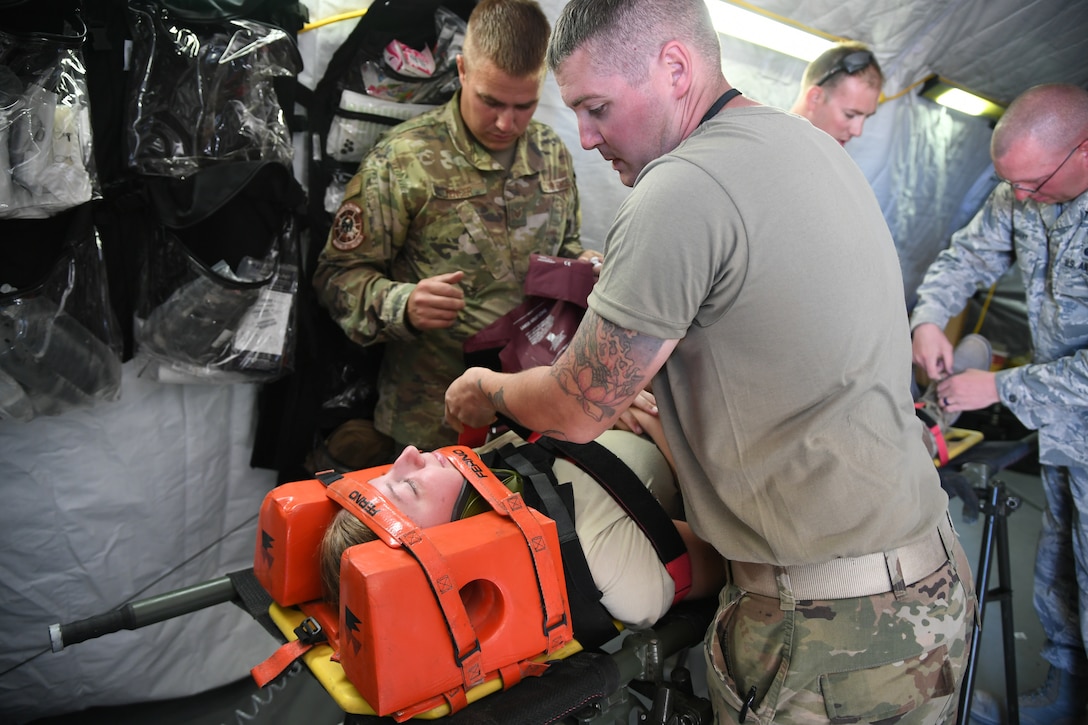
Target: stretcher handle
143	612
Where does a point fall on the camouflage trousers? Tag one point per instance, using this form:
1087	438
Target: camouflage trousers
1061	568
862	660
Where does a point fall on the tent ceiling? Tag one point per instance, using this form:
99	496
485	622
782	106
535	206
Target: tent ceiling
997	48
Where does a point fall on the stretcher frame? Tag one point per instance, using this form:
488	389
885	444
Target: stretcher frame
645	672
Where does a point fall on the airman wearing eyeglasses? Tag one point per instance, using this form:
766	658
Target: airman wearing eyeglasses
840	90
1037	218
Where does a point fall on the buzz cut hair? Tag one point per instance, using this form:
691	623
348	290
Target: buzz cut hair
625	35
512	34
1055	115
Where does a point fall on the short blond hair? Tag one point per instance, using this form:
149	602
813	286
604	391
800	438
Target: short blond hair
512	34
826	63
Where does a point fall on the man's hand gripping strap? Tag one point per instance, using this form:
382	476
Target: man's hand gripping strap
557	628
396	529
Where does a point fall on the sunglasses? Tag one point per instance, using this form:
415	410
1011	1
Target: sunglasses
850	64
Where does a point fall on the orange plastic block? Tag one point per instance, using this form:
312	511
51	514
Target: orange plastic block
292	521
395	645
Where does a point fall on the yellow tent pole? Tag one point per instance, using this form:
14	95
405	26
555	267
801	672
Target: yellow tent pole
985	307
333	19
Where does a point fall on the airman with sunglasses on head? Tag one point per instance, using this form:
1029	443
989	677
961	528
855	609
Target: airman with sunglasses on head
840	90
1037	218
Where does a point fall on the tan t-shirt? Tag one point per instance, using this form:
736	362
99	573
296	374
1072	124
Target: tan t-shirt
635	586
760	245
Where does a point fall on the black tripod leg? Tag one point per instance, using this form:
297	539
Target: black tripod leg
982	583
1004	576
995	535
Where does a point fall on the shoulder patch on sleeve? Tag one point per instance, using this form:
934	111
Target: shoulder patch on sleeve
347	227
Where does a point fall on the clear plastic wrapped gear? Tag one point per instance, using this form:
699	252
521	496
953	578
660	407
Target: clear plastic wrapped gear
220	281
46	159
60	343
204	92
221	325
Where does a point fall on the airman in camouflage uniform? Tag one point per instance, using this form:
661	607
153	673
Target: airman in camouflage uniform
436	197
1040	223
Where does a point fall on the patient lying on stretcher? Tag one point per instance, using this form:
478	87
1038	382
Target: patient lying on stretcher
636	587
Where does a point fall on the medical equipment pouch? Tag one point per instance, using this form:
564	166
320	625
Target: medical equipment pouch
218	296
203	91
60	343
540	328
46	159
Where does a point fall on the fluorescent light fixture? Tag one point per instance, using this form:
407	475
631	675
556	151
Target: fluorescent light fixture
963	101
947	94
762	29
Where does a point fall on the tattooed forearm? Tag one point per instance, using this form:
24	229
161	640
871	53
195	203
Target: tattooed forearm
498	401
604	366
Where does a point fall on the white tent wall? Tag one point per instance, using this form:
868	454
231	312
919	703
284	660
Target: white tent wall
102	506
923	162
116	503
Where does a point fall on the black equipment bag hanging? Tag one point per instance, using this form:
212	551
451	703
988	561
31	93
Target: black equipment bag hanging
221	275
409	21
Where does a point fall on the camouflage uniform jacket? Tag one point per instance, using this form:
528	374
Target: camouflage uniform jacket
428	200
1049	242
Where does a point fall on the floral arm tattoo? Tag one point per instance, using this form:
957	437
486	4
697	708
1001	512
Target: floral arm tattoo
605	366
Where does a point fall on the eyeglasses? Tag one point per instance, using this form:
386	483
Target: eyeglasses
850	64
1037	189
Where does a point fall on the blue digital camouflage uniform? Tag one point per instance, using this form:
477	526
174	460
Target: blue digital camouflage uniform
428	200
1049	242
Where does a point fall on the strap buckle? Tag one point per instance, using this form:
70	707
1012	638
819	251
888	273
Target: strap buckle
310	632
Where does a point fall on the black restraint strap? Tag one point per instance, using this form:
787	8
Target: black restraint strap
593	625
628	491
255	599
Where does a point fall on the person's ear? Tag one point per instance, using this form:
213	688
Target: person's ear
677	62
461	68
813	97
